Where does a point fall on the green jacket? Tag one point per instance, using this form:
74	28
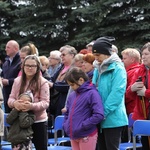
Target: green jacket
20	126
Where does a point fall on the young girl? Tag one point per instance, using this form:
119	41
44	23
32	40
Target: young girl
84	111
31	80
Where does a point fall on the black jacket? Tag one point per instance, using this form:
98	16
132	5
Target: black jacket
10	72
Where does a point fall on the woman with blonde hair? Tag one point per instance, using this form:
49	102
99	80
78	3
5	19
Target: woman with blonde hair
44	66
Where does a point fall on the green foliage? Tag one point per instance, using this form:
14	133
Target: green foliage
4	11
51	24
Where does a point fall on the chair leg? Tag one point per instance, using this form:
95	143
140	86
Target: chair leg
134	143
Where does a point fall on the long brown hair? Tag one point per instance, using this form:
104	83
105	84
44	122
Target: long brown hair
34	82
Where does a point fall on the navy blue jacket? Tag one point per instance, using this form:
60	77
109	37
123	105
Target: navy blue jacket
62	88
10	72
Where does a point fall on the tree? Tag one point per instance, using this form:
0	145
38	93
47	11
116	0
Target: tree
4	25
52	24
49	24
127	21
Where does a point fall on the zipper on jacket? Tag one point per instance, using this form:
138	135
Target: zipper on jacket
71	114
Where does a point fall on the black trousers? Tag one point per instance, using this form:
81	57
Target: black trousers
110	138
40	136
145	143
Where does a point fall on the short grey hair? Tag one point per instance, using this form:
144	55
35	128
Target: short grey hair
56	54
70	49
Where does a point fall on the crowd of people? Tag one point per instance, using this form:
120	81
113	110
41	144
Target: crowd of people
94	88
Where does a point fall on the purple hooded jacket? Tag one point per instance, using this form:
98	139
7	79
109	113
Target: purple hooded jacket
84	111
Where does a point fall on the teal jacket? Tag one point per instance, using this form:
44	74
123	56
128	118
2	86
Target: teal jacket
110	79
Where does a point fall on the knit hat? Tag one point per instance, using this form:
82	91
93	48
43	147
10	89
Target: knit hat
103	45
89	58
90	44
107	38
28	94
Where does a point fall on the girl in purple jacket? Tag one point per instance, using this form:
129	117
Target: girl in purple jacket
84	111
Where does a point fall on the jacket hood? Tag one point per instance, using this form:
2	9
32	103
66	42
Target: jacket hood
113	58
85	87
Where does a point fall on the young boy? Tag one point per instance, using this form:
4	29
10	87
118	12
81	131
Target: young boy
20	132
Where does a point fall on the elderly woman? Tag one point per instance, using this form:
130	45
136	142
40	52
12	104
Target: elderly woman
54	62
59	87
140	91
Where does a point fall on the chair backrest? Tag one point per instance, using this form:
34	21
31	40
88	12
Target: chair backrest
58	125
141	127
5	123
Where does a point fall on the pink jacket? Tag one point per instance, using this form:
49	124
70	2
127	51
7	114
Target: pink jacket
41	98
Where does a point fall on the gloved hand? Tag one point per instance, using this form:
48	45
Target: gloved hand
137	86
141	92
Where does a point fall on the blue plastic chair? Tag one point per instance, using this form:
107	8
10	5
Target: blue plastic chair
5	123
140	128
58	125
129	144
5	145
59	148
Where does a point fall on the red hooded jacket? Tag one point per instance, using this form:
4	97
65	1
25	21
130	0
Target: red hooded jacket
138	112
129	101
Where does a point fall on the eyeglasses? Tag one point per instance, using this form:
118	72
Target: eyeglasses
64	54
30	66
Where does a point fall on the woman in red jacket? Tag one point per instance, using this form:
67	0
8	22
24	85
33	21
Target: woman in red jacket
140	90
